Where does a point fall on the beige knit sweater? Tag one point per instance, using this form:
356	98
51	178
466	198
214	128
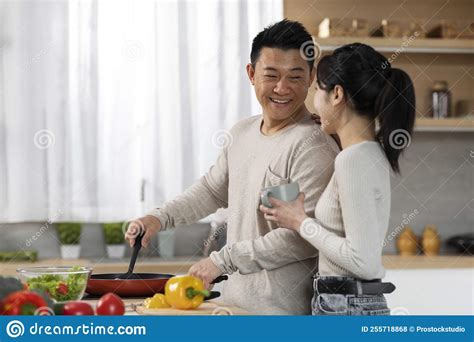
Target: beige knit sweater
352	214
270	268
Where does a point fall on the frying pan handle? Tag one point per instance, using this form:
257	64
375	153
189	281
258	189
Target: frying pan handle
220	278
212	295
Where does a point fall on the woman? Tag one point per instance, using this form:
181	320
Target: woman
356	89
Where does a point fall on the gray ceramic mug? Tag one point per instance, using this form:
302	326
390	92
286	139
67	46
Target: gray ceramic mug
285	192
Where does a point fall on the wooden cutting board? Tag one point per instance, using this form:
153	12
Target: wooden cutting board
207	308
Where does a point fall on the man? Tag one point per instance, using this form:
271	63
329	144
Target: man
270	269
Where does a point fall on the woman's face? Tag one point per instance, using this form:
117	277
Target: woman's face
326	110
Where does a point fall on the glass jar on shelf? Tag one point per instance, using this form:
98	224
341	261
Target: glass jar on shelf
440	100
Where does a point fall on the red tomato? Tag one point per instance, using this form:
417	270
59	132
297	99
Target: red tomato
62	288
77	308
110	304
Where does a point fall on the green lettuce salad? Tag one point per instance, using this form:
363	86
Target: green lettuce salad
60	287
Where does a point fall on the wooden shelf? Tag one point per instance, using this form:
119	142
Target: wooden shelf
427	262
418	45
465	124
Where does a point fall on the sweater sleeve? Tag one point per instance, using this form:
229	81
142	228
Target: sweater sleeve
200	200
312	169
359	251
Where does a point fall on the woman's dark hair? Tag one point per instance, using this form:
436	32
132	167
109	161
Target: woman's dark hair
285	35
375	90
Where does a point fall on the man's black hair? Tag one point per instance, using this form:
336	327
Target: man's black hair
285	35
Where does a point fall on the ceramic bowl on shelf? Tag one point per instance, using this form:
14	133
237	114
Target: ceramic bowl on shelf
463	243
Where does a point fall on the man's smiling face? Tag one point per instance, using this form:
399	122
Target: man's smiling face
281	79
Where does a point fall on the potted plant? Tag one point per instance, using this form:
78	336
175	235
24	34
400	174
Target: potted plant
114	240
69	236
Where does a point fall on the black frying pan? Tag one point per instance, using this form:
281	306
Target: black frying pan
134	284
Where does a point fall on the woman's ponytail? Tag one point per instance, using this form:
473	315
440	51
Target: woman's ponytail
395	110
376	91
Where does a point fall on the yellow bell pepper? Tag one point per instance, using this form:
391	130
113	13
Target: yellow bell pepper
185	292
158	301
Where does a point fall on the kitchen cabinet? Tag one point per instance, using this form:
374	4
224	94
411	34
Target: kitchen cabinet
431	291
426	285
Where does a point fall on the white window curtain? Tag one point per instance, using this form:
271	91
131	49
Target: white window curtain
108	108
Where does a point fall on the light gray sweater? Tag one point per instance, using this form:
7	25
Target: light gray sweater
270	268
352	214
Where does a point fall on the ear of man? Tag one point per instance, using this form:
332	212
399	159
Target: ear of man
251	73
